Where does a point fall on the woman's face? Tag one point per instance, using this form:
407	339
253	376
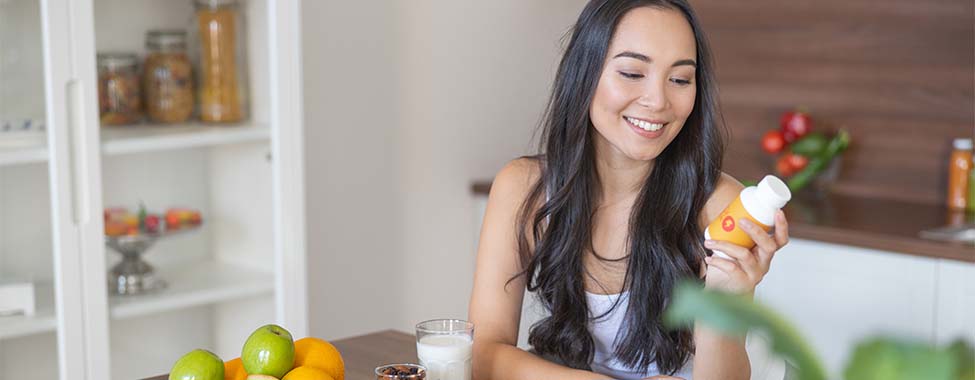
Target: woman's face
647	88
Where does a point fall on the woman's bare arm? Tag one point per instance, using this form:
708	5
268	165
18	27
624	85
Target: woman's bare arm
495	305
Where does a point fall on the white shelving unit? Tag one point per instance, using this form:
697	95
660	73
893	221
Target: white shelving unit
206	283
243	268
149	138
42	321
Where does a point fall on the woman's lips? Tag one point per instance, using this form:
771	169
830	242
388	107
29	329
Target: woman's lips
646	128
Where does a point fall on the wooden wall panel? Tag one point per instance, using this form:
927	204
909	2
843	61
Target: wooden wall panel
899	75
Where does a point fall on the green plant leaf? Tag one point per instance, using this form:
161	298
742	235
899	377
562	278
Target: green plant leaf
965	355
885	358
734	315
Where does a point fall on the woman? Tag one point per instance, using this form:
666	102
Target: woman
611	214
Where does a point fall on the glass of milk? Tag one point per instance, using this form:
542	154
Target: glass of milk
444	347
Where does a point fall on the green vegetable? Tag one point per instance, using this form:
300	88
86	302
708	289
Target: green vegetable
810	145
819	162
142	215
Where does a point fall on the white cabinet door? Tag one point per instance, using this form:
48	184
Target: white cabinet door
837	295
287	148
75	185
955	308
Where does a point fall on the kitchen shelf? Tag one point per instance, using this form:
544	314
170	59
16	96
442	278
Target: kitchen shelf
43	319
149	138
200	284
23	155
139	138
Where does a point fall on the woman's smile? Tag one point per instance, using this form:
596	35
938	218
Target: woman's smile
650	129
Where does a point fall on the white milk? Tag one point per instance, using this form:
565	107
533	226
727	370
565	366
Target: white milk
447	357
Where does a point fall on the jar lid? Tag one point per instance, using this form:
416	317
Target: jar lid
166	38
216	3
773	192
963	144
116	60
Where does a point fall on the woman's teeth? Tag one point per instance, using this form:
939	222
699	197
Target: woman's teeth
646	126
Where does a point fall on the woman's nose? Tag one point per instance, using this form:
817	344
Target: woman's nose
654	97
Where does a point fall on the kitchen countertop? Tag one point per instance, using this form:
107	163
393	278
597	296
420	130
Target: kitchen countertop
886	225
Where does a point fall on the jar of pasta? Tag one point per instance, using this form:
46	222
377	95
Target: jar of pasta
167	77
119	98
221	87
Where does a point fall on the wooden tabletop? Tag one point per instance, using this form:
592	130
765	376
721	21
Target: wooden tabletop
874	223
362	354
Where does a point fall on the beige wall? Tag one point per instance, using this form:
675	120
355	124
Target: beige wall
350	74
406	104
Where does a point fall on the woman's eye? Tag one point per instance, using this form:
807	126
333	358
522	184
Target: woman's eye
682	82
630	75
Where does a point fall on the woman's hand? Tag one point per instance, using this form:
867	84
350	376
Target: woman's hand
664	377
746	268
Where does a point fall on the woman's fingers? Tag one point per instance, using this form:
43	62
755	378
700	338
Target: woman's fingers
741	254
781	229
765	243
729	267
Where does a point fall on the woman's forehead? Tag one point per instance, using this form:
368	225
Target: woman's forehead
659	33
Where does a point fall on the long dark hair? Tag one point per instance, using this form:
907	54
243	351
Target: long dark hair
555	222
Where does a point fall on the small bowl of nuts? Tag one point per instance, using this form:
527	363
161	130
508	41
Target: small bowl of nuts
404	371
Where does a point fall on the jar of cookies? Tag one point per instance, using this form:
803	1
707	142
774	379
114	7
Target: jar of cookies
220	25
167	77
119	95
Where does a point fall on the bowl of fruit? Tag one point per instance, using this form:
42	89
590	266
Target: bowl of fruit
803	157
269	353
132	234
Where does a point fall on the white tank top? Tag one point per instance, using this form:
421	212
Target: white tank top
604	331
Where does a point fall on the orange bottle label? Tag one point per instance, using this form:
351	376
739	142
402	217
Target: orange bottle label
726	228
958	172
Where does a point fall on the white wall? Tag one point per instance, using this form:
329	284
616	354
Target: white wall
407	102
476	78
354	242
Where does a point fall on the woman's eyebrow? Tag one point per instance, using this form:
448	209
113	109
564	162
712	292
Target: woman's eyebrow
644	58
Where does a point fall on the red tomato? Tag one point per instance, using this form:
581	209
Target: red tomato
796	162
794	124
152	223
773	142
782	166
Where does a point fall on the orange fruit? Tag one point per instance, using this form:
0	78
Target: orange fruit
317	353
234	370
306	373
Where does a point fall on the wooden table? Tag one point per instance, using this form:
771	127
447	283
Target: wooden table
362	354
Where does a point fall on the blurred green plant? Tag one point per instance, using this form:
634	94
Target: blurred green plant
877	358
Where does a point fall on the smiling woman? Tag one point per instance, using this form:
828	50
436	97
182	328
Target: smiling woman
605	220
647	85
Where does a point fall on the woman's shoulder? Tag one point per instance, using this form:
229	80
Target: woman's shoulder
517	178
724	193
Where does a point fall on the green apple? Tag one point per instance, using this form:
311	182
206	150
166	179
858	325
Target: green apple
269	350
197	365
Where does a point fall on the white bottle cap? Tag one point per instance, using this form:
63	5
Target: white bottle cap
963	144
773	192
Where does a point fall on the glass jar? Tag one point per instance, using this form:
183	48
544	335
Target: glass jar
167	77
119	98
221	86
